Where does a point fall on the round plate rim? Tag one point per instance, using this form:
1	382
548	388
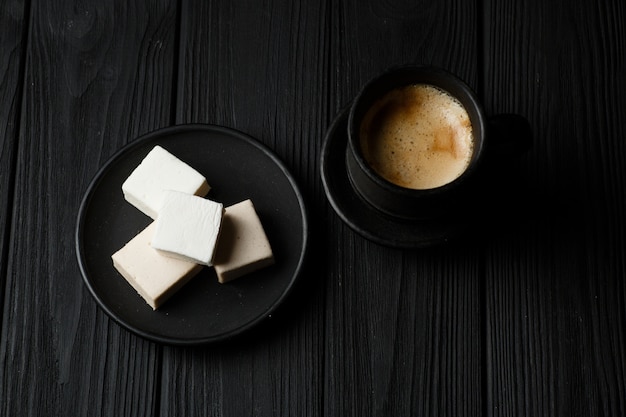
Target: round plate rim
140	141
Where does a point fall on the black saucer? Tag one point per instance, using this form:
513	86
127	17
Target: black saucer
365	219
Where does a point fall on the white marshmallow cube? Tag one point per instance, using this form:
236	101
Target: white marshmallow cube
188	227
160	171
154	276
243	246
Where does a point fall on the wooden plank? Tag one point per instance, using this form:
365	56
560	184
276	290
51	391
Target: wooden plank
403	327
13	26
257	67
404	333
556	328
97	75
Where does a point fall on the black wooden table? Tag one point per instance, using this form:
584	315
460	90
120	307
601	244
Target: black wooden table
527	319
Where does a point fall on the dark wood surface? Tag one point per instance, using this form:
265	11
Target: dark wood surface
527	319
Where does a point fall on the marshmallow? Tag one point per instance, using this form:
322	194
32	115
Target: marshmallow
188	227
243	246
154	276
160	171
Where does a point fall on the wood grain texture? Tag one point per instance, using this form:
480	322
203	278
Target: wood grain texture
97	74
556	321
258	67
403	328
403	333
529	320
13	27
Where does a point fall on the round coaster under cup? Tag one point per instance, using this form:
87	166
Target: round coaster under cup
364	219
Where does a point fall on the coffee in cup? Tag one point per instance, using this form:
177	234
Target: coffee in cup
417	136
417	143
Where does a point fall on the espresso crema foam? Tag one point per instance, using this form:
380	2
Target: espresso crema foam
418	137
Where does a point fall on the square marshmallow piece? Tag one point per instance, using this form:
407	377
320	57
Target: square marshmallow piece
154	276
160	171
188	227
243	246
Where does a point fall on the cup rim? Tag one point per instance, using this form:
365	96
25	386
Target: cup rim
476	112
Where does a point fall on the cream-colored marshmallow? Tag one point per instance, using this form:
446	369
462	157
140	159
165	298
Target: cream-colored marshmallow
154	276
243	246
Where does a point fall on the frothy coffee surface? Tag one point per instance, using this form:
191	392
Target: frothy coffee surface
418	137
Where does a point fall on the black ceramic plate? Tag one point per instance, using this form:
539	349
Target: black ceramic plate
237	167
361	216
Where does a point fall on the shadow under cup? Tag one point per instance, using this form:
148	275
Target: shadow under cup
400	201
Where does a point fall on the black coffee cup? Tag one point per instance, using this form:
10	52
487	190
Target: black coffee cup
501	136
